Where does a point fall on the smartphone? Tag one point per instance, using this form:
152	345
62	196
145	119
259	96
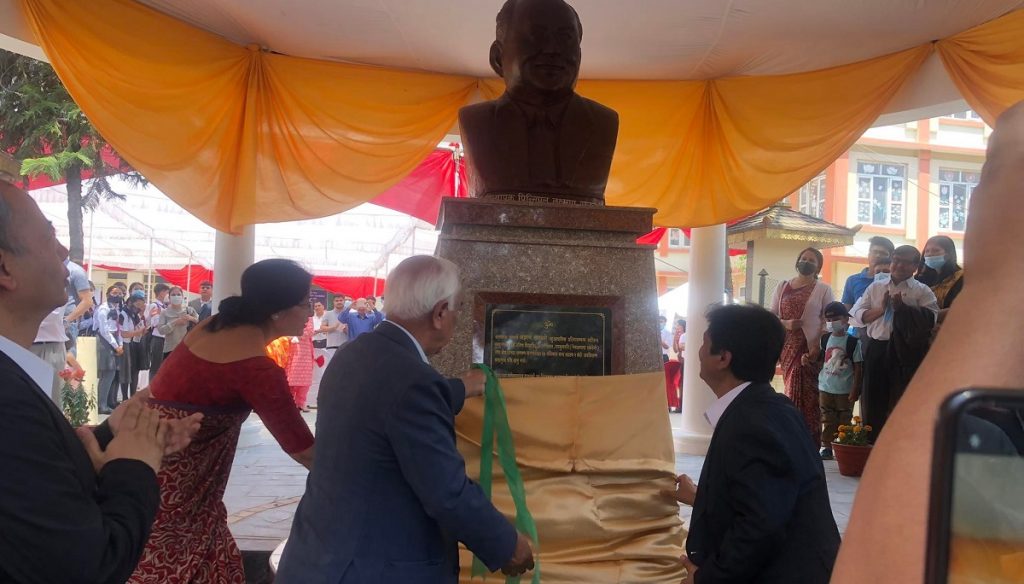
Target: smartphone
976	510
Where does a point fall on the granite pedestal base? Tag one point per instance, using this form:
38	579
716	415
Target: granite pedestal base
555	250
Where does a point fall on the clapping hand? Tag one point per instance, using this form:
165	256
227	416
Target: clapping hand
180	431
685	492
897	300
522	558
142	436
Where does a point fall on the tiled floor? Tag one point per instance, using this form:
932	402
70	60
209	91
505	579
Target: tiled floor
266	485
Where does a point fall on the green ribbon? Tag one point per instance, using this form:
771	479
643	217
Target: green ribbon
496	422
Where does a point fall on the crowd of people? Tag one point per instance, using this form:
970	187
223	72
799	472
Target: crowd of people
867	346
139	498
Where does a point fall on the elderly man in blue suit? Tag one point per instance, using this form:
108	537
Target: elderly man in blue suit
388	498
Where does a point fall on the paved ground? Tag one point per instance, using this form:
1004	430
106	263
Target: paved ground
266	485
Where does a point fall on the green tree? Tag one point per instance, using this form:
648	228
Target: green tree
41	125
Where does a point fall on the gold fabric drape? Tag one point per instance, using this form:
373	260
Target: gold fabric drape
986	63
594	453
240	136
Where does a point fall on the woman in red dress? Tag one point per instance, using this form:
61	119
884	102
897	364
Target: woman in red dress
221	369
300	365
800	303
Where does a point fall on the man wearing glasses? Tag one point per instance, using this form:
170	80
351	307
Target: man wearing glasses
899	314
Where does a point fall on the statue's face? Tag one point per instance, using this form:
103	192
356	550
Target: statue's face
541	52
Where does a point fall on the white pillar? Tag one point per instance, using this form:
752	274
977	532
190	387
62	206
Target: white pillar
707	283
232	255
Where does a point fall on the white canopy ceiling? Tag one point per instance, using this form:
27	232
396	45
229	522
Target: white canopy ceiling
623	39
365	241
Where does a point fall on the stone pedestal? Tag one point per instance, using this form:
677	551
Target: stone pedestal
583	255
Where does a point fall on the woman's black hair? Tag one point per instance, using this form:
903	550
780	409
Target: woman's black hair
268	287
931	277
817	254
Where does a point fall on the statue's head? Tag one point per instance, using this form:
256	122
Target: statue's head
537	48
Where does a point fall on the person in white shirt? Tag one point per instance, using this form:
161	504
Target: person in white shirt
898	314
50	346
666	338
321	324
156	340
109	347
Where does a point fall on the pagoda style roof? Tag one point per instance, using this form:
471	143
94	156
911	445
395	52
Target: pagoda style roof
782	223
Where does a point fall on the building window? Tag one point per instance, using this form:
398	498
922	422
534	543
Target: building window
955	190
881	193
967	115
677	239
812	197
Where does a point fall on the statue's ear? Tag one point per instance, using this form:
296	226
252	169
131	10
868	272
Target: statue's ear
496	54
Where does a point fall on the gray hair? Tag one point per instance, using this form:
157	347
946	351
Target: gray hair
508	10
7	242
417	284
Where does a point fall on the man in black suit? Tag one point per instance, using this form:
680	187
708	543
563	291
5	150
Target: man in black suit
70	510
388	498
761	511
539	137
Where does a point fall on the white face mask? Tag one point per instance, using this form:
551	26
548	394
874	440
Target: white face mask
176	300
882	277
837	326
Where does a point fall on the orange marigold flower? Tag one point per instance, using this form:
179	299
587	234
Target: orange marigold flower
856	419
842	435
867	428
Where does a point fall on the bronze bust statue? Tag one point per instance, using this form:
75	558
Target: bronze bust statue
539	140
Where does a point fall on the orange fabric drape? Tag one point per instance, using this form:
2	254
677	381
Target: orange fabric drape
986	63
241	136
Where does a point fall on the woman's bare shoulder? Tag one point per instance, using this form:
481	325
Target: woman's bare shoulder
226	345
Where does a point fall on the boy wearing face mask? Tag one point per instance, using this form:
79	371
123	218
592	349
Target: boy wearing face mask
840	378
175	320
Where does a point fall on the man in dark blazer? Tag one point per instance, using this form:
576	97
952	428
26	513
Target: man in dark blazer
388	498
761	512
539	137
70	510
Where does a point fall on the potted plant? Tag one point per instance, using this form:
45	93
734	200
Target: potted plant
75	401
851	448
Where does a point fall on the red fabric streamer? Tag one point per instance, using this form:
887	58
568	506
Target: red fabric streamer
419	194
354	286
186	278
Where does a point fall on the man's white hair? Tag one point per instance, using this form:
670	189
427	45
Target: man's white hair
417	284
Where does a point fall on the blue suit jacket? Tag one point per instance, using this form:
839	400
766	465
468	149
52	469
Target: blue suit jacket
388	498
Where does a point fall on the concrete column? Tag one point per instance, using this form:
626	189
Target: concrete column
707	277
232	255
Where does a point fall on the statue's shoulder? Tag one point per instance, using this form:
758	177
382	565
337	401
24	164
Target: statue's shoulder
478	111
602	113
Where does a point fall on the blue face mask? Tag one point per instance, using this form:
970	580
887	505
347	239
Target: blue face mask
935	262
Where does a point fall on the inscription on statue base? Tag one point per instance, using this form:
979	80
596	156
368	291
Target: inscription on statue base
532	335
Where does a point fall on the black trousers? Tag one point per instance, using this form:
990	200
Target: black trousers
883	386
156	355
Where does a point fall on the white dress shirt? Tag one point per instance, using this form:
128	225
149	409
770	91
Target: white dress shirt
414	341
105	329
38	370
717	409
317	322
914	294
51	330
